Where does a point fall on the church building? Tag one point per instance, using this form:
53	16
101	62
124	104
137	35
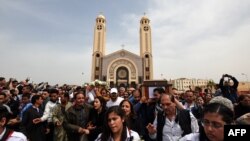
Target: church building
122	68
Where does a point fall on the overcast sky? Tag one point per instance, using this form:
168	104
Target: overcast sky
51	40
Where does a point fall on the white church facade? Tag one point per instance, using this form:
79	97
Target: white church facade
122	68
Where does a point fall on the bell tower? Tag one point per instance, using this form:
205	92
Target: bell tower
98	47
146	48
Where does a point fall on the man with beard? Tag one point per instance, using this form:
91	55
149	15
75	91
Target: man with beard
137	100
24	89
130	91
189	102
45	96
58	116
115	100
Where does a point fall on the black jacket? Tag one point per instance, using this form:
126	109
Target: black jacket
183	118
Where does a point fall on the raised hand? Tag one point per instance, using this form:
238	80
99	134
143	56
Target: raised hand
58	123
151	128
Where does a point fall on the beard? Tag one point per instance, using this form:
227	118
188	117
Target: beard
54	101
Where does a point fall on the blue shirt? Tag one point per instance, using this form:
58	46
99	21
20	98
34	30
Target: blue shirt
27	106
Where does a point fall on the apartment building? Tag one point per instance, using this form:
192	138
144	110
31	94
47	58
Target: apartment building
183	84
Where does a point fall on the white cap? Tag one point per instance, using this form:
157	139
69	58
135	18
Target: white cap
113	90
224	101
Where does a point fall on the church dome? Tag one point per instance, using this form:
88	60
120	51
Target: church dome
101	16
144	18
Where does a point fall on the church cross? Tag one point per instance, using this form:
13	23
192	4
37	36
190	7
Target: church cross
123	46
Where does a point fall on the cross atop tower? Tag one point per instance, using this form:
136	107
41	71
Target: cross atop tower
144	13
122	46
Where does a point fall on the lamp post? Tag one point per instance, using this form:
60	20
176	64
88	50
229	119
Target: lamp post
246	81
162	77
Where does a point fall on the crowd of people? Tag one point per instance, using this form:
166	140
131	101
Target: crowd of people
94	112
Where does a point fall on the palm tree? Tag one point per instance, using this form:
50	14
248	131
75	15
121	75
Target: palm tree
210	85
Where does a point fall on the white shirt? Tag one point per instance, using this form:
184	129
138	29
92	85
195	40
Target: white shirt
191	137
130	133
47	114
111	103
91	96
172	131
188	107
15	136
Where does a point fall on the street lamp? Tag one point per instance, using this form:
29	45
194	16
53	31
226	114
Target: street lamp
246	81
162	77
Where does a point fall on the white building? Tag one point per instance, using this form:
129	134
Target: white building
183	84
122	68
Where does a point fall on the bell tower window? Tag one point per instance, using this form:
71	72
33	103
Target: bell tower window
99	27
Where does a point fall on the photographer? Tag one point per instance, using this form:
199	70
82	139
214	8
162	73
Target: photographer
229	87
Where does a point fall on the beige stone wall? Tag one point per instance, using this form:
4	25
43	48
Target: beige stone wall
244	87
137	65
122	58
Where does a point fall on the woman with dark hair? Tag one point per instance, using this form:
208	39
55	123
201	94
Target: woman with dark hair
96	117
215	115
132	120
115	128
207	98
